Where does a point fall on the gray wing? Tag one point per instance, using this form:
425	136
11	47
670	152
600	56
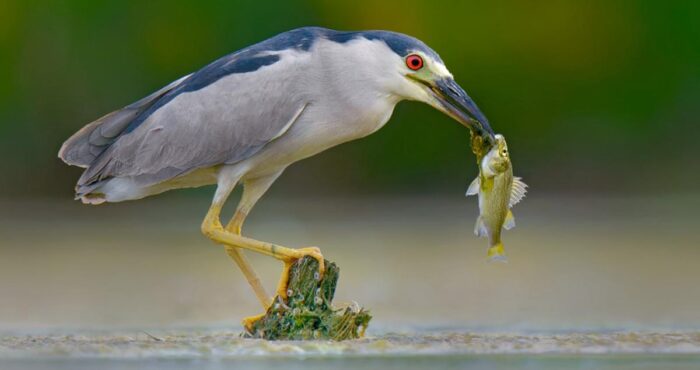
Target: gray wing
88	143
223	122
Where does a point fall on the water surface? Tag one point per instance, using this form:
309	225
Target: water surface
594	283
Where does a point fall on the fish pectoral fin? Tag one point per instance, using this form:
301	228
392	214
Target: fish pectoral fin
510	221
480	228
517	191
474	187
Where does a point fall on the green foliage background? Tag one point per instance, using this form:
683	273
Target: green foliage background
594	96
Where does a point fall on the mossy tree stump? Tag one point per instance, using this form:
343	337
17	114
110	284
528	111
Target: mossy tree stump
308	312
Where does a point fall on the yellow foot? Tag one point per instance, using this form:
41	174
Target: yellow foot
250	320
288	262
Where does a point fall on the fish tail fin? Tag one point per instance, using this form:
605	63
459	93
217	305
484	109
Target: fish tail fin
496	253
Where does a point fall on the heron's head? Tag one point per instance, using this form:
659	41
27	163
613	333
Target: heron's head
391	64
418	73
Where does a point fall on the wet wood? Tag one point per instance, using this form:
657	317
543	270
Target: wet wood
308	312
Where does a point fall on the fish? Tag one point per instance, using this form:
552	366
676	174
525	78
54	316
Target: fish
498	191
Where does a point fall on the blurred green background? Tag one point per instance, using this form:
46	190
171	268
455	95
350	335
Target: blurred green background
594	96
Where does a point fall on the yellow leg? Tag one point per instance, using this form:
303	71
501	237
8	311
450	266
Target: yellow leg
284	278
212	228
234	226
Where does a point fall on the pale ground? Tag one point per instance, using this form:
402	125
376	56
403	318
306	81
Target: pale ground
91	281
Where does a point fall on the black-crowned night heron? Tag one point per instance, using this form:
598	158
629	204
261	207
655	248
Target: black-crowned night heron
247	116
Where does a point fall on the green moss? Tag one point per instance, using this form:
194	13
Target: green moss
308	312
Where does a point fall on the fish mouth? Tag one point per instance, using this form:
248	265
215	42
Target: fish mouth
453	100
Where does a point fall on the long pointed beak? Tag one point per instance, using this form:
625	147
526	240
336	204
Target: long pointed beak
458	105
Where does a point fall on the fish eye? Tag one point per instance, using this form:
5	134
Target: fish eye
414	62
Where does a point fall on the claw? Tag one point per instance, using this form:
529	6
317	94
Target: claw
249	321
284	280
313	252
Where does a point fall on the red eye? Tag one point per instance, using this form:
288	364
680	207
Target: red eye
414	62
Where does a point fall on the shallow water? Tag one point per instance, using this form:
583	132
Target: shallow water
597	283
479	362
192	344
208	349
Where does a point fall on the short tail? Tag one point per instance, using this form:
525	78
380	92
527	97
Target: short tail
496	253
90	194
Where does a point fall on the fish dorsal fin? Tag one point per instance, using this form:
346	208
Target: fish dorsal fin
474	187
510	221
517	192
